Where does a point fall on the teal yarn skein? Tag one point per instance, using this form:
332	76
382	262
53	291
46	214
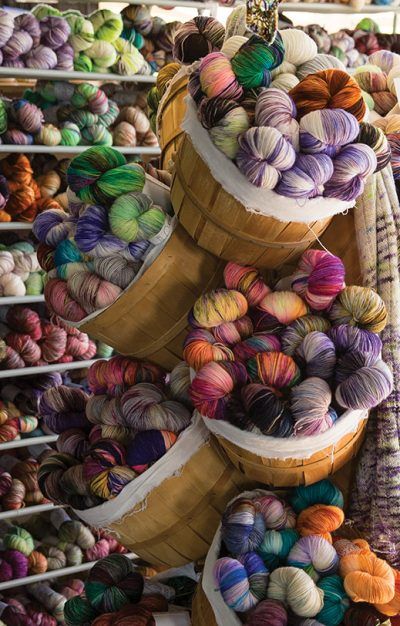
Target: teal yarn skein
322	492
255	59
276	546
336	601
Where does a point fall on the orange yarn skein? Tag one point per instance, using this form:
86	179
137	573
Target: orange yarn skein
392	608
367	578
328	89
320	519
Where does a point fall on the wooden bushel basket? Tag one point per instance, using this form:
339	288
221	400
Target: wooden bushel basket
175	521
202	613
294	467
170	117
221	224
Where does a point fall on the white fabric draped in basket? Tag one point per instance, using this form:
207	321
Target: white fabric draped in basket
263	201
290	447
188	443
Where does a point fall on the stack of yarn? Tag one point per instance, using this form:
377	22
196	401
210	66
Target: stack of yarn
116	593
62	114
28	340
284	566
96	250
40	603
19	483
151	35
341	44
52	40
14	424
26	190
283	362
20	272
305	143
64	543
132	418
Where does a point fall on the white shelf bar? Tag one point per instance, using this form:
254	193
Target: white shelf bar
27	441
20	299
27	73
45	369
57	573
320	7
29	510
16	225
9	148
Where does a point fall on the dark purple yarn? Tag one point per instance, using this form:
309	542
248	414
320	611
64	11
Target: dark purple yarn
92	229
266	411
147	447
17	63
264	322
59	422
14	561
351	338
306	179
55	31
29	23
12	615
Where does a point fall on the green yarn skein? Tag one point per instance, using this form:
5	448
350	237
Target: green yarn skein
255	59
18	538
70	134
3	117
107	25
82	32
96	135
322	492
336	601
78	611
133	217
82	63
44	10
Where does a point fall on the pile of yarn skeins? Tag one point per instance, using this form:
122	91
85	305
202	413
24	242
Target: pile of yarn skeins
40	603
116	593
306	143
65	543
15	425
288	362
19	485
96	250
133	416
62	114
28	340
20	272
47	39
29	186
281	563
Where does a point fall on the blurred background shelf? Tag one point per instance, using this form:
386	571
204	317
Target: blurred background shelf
29	510
45	369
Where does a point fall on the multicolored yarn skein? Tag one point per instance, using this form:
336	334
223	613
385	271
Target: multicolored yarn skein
99	246
267	365
309	581
129	422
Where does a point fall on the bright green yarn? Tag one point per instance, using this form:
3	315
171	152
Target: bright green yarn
82	32
96	135
18	538
34	284
78	611
322	492
44	10
369	25
336	601
3	117
101	70
107	25
129	60
368	99
70	134
83	118
101	174
134	217
82	63
254	58
102	53
276	546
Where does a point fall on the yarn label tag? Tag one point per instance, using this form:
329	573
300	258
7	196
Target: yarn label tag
397	87
164	233
172	619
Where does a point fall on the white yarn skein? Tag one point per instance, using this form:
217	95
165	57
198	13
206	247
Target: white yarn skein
296	589
317	64
299	47
284	68
285	82
232	45
6	262
321	554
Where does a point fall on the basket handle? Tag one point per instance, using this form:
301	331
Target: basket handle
262	18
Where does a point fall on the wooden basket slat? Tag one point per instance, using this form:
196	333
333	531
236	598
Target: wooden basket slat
149	320
222	225
171	117
202	612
